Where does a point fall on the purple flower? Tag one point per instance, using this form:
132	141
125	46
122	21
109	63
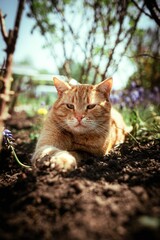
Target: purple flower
114	98
135	95
7	137
133	84
8	140
127	99
7	133
141	90
156	89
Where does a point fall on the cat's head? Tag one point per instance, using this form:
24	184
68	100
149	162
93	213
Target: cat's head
83	108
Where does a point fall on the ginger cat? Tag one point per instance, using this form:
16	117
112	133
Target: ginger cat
81	120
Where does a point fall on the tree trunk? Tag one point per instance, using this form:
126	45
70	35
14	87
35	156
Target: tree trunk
10	40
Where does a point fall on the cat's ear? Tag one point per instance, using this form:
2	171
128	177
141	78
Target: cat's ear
60	85
105	86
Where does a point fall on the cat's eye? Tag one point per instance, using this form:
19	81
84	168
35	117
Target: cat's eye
91	106
70	106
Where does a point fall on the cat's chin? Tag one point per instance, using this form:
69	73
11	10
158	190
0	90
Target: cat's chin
80	129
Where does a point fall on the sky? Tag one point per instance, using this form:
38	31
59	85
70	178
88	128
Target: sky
30	46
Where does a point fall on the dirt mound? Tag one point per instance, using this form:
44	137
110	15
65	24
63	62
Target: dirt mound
114	198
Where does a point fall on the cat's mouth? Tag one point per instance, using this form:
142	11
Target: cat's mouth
79	125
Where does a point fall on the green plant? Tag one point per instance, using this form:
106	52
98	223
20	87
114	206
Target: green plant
144	120
9	143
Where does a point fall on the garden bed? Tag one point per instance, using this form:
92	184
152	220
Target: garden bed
116	197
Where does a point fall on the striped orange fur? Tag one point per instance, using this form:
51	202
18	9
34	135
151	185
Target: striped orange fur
81	120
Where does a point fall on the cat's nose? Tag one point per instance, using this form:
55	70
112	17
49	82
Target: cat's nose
79	117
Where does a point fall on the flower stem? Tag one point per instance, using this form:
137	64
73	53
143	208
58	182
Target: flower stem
15	155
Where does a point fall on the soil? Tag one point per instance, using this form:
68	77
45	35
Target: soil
112	198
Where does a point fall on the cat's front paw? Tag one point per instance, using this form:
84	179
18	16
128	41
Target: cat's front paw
63	161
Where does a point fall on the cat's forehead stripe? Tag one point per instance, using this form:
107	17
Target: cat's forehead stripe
80	93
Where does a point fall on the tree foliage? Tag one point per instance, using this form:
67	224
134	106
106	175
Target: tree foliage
89	35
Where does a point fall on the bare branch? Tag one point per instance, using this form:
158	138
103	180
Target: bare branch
3	27
144	55
69	26
131	31
154	10
17	24
141	9
87	65
105	32
117	41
